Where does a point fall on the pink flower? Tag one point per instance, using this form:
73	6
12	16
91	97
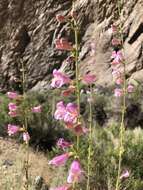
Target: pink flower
125	174
59	79
60	111
80	130
12	129
69	91
71	113
117	56
119	81
60	18
68	113
75	172
59	160
12	95
116	73
63	44
118	92
12	106
130	88
26	137
89	79
63	144
113	28
13	113
116	42
36	109
64	187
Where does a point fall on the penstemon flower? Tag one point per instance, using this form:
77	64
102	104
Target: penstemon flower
36	109
26	137
68	113
75	172
125	174
59	160
118	92
116	42
59	79
12	107
69	91
12	95
13	113
60	18
71	113
117	57
88	79
60	111
12	129
80	130
63	44
119	81
130	88
116	73
61	143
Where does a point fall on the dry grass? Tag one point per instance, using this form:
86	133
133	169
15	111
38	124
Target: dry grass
12	157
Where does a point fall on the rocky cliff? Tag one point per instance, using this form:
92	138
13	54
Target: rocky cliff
28	29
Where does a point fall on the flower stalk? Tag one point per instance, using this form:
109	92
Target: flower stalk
89	141
123	111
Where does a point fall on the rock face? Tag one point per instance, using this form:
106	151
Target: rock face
28	29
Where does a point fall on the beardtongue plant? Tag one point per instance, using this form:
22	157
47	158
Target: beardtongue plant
69	113
123	88
20	111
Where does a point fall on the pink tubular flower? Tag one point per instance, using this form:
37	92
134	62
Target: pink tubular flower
69	91
130	88
12	107
13	113
26	137
71	113
63	44
89	79
119	81
60	111
116	42
80	130
36	109
116	73
117	56
61	143
68	113
12	95
125	174
12	129
118	92
113	28
64	187
60	18
59	160
75	172
59	79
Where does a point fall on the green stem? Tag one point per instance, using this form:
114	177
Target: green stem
122	126
122	129
26	167
89	142
77	75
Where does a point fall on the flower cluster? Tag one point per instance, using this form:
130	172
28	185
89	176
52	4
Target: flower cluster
15	110
69	113
118	65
